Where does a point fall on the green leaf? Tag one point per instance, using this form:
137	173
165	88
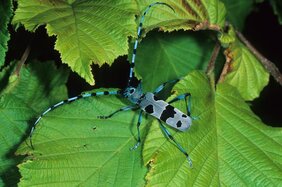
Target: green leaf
245	144
206	14
277	7
75	148
87	31
216	12
97	31
245	72
228	37
6	11
237	11
13	121
22	97
228	144
169	166
167	56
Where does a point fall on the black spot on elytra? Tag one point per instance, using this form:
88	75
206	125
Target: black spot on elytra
167	113
156	98
149	109
178	124
184	116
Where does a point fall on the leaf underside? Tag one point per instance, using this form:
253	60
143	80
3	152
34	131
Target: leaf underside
87	31
246	73
97	31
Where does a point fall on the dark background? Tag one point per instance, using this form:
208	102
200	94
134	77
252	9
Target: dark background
264	32
261	29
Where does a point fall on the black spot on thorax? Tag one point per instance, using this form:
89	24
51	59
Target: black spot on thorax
156	98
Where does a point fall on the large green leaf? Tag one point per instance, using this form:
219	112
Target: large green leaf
73	147
249	152
14	123
22	97
237	11
245	72
87	31
187	15
166	56
242	69
228	144
97	31
5	15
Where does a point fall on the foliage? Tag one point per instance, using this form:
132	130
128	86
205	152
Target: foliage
93	153
246	72
5	14
228	143
23	96
87	31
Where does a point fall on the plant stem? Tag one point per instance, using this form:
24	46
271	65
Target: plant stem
213	58
226	67
22	60
211	65
268	65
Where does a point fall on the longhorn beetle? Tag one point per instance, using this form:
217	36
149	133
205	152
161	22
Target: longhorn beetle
147	102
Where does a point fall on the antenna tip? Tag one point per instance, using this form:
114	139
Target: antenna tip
135	146
190	162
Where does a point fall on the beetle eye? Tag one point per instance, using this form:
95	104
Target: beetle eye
131	90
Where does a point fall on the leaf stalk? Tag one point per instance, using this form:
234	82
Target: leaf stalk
268	65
